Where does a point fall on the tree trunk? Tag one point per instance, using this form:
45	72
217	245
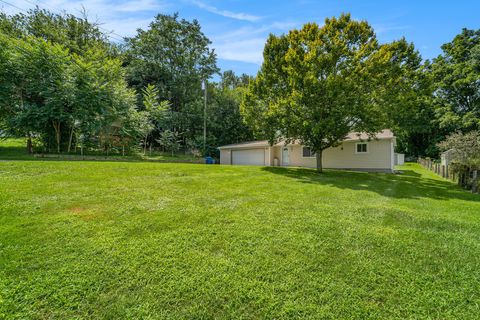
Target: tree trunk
319	161
145	145
70	140
29	144
56	126
474	182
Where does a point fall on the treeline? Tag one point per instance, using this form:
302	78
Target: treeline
318	83
67	88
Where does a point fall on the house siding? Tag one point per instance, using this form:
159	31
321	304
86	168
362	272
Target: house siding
226	156
378	157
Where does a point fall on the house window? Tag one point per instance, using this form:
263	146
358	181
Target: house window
361	148
308	153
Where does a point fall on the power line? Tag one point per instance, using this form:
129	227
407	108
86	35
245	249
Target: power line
109	33
12	5
24	10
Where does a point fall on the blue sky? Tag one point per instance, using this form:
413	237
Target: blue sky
239	28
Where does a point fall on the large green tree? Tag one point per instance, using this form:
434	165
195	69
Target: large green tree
60	80
36	83
456	73
76	34
225	123
54	95
408	100
317	84
153	114
174	55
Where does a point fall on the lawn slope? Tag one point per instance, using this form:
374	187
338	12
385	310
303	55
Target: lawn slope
155	240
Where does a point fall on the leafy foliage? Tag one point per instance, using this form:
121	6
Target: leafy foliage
54	94
152	115
225	122
318	84
78	35
174	55
463	148
457	77
170	141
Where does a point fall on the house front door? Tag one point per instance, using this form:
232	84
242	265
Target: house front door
285	157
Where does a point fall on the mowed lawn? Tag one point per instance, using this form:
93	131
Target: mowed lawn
118	240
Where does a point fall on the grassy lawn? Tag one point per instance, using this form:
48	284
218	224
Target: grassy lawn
15	149
155	240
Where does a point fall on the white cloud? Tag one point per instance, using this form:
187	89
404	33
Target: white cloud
226	13
246	50
386	28
106	8
246	44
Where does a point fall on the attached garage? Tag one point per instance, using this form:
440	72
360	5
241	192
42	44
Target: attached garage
253	157
256	153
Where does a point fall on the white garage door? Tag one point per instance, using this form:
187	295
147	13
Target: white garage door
255	157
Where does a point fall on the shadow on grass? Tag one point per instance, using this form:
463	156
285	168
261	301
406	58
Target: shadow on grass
19	153
408	184
14	153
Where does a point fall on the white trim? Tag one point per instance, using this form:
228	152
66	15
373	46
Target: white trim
392	152
356	149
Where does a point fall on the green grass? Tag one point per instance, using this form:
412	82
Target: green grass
15	149
122	240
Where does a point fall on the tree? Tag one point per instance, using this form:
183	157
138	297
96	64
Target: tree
153	113
170	141
59	78
407	100
464	150
173	54
456	73
464	147
38	84
76	34
225	122
318	84
48	92
103	103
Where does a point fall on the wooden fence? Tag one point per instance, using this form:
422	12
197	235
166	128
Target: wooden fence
438	168
468	180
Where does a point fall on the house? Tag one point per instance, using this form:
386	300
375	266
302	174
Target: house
356	152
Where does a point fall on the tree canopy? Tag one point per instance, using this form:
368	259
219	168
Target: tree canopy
318	84
64	84
456	73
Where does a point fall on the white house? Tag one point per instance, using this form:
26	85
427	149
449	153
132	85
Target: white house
356	152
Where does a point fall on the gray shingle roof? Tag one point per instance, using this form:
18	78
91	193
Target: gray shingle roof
352	136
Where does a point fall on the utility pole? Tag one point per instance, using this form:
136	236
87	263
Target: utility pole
204	85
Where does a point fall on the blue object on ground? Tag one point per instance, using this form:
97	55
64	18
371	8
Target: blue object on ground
209	160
